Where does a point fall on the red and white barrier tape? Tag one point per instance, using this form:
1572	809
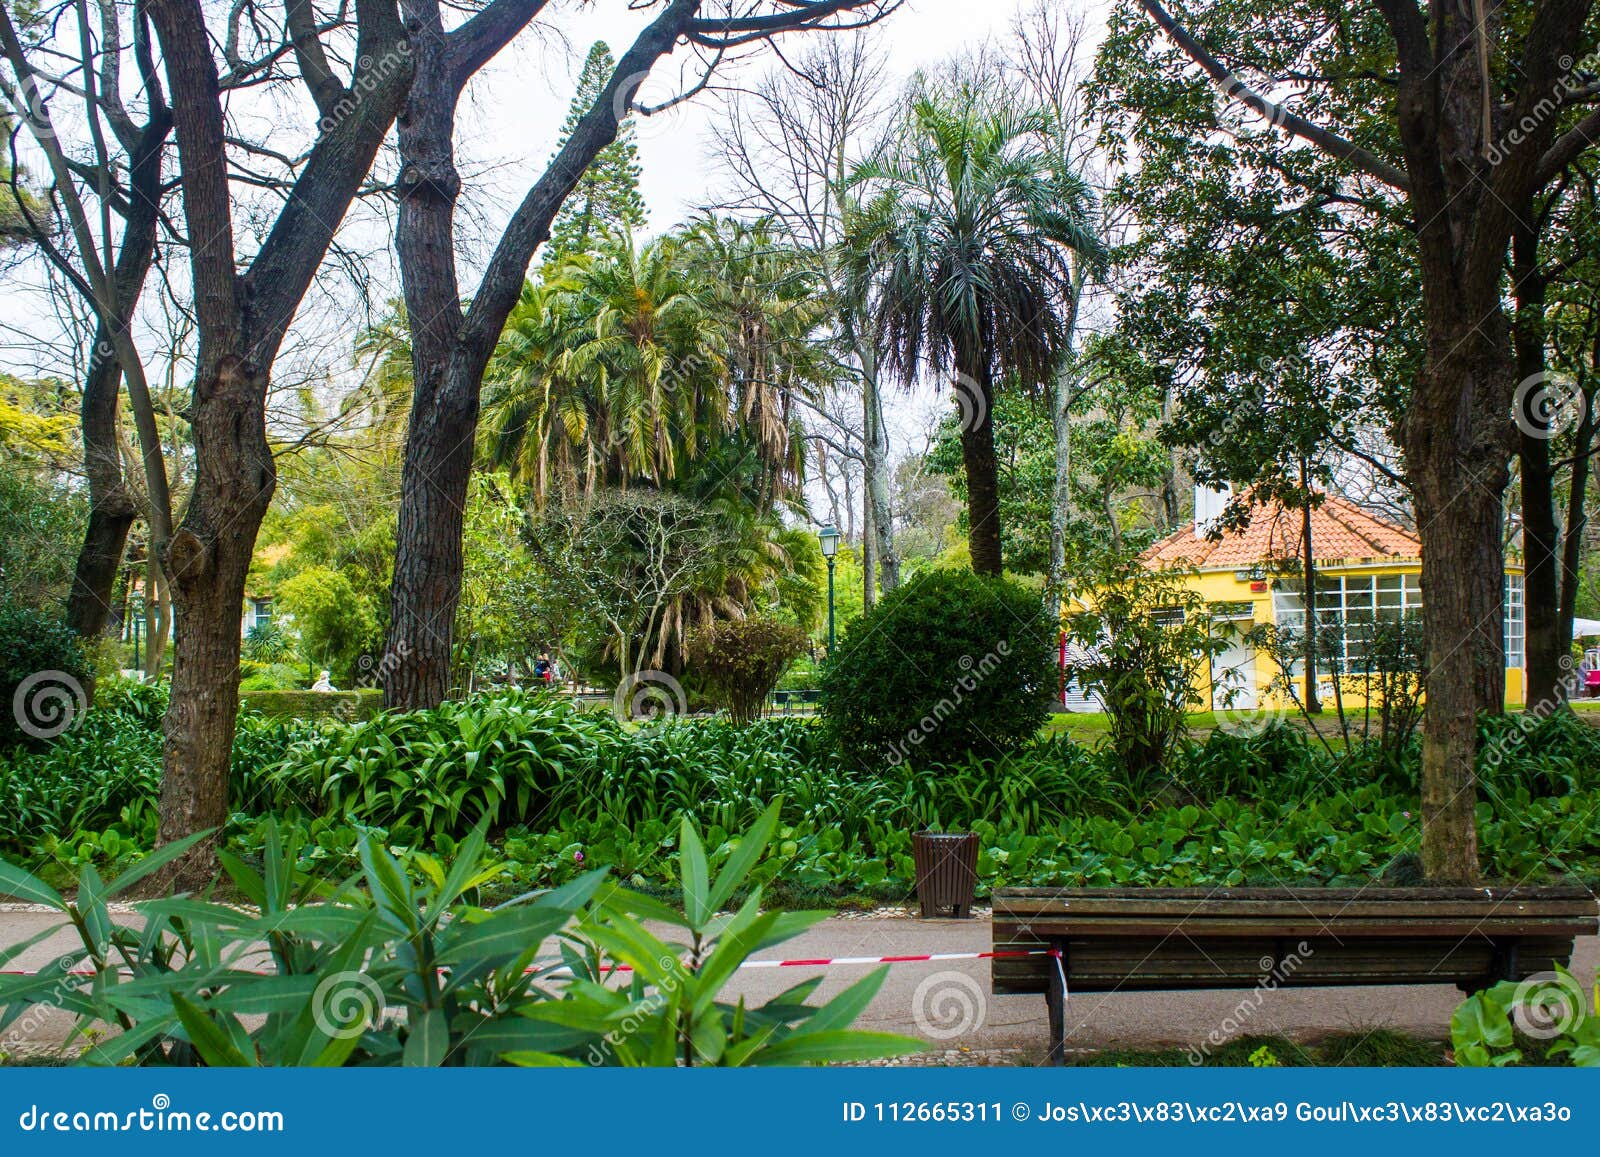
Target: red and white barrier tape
811	962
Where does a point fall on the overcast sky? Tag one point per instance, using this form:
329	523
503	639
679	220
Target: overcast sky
508	127
523	99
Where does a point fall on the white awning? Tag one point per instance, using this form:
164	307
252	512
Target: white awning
1585	628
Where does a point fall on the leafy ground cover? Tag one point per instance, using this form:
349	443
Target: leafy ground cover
561	788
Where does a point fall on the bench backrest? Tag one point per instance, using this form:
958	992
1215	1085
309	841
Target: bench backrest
1179	938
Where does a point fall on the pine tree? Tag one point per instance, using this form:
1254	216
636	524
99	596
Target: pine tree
607	198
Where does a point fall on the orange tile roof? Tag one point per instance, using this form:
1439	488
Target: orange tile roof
1340	530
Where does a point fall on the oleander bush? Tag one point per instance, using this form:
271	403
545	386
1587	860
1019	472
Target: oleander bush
408	967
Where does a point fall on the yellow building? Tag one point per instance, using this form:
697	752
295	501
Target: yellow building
1365	566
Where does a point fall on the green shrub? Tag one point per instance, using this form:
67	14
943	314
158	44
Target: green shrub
267	643
362	703
411	969
1139	642
43	673
948	664
272	677
741	661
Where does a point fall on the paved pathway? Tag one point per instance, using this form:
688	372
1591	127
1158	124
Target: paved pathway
949	1003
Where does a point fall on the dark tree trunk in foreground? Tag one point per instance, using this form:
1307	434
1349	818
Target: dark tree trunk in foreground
241	321
1544	647
975	400
451	347
1457	482
1472	149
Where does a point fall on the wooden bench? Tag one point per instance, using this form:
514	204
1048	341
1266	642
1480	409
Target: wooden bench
1148	939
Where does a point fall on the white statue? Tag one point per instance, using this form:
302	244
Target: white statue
323	684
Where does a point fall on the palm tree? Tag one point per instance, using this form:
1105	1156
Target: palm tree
612	371
771	307
959	256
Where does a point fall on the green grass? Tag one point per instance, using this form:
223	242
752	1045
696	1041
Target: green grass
1093	726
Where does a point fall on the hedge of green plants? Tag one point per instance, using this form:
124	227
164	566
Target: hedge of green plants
562	787
362	703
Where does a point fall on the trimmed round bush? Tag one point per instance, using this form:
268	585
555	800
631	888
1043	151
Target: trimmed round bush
951	664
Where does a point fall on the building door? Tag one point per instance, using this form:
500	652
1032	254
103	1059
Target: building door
1233	674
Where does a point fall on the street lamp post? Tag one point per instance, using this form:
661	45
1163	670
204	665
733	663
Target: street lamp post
828	536
136	622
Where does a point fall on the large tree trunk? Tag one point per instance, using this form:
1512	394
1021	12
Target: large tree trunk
1543	647
241	322
444	406
206	565
1458	473
428	548
450	350
975	395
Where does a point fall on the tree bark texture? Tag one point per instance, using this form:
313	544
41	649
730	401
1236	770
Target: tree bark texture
451	350
241	321
975	393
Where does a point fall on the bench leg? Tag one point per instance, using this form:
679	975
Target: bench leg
1055	996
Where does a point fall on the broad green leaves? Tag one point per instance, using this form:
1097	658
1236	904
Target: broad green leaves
1496	1026
400	968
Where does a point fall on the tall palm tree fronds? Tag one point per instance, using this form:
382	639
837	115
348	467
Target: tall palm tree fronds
960	254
